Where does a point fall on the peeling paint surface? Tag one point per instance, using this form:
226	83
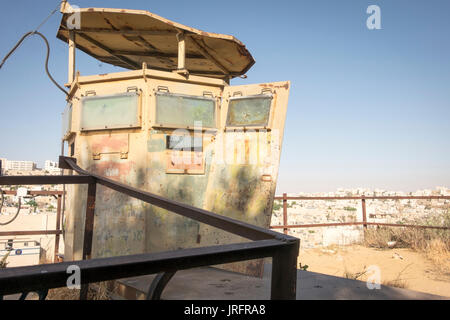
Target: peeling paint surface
236	178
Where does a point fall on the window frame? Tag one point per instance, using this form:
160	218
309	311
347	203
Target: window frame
138	120
267	125
157	124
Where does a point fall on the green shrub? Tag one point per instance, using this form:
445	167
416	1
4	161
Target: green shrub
277	206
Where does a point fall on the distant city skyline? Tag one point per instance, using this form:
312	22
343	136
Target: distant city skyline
367	108
337	190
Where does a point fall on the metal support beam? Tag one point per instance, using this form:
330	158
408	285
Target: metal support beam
37	193
58	226
284	272
364	217
285	222
156	54
368	198
181	54
31	278
339	224
89	221
128	32
29	233
33	180
88	231
72	50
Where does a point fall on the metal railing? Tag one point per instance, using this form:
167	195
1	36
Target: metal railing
283	249
59	218
364	221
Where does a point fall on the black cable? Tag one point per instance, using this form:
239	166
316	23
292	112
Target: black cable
46	59
48	17
1	206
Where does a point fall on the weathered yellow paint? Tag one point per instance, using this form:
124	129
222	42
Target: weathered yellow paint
127	38
234	174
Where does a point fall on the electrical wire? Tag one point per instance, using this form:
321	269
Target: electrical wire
1	206
46	59
48	17
31	33
36	32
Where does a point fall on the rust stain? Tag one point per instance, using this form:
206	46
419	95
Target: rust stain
105	144
111	169
247	151
187	162
110	23
270	85
243	51
117	171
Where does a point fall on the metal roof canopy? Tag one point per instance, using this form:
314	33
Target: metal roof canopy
129	38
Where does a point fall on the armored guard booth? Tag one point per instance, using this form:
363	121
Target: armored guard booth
171	125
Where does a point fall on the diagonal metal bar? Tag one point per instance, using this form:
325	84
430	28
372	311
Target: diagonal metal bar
32	278
29	233
30	180
233	226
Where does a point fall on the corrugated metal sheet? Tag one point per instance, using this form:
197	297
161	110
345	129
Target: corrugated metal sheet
127	38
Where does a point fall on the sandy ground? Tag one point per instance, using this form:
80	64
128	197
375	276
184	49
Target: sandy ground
408	268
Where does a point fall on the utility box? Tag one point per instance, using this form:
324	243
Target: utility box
171	125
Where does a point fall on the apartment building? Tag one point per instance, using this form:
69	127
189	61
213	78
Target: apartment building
51	166
17	165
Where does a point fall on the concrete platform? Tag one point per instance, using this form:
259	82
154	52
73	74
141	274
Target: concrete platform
214	284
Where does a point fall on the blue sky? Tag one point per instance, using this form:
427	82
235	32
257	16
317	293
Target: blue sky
368	108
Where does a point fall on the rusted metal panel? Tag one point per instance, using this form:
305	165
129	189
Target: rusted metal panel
237	181
109	144
244	157
185	182
185	162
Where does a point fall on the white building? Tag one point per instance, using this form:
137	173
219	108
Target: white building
2	165
51	166
20	165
